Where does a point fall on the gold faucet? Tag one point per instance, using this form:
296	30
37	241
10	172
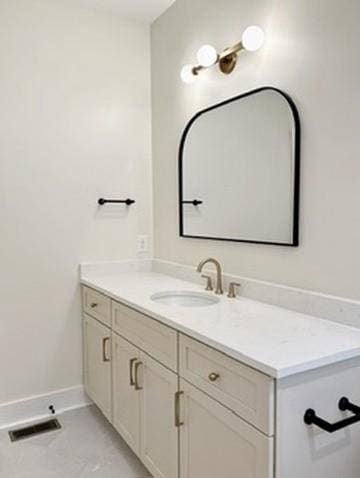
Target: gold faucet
219	289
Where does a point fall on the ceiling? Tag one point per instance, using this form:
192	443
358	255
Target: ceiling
145	11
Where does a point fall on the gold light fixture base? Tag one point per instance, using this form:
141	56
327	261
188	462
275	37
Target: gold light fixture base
228	63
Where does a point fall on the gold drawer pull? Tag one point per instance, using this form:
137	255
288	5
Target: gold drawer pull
131	366
93	305
104	342
178	422
213	377
136	374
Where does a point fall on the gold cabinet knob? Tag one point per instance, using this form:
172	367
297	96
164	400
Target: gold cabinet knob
93	305
213	377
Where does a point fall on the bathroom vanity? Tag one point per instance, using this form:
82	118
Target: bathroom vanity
220	390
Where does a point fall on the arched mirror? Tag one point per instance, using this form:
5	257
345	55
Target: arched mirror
239	170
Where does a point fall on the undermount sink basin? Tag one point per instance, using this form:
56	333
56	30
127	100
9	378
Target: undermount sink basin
184	299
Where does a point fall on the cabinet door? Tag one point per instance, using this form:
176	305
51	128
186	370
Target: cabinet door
159	434
97	370
126	399
214	442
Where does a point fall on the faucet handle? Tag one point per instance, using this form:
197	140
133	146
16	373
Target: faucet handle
232	289
209	285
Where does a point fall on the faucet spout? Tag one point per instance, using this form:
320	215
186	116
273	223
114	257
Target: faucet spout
211	260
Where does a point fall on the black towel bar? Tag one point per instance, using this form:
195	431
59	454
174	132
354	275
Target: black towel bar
310	417
127	201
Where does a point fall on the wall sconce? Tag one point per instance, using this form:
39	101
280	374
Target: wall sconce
252	39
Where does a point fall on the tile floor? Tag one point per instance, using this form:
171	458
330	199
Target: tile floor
86	447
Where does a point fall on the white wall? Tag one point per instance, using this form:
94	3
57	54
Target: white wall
74	126
312	53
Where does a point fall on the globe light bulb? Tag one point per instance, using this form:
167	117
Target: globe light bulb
187	74
207	56
253	38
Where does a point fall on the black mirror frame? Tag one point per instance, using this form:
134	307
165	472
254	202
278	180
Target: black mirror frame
297	136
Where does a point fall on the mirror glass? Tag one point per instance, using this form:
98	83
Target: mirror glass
239	170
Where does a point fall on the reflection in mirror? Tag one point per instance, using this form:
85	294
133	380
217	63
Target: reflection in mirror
239	170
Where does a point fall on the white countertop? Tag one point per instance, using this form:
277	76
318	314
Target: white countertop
271	339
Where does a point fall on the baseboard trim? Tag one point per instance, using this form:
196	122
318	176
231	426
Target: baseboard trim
37	407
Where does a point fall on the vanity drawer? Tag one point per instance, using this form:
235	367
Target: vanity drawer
151	336
97	305
248	393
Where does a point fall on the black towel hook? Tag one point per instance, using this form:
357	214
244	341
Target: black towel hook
195	202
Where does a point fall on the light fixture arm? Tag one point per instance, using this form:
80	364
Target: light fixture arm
231	50
226	59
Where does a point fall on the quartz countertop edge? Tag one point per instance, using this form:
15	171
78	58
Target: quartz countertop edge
210	325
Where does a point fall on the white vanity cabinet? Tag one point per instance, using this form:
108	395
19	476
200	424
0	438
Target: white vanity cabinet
190	411
180	423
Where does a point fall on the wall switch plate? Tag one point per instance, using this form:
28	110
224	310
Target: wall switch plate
142	244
